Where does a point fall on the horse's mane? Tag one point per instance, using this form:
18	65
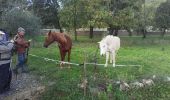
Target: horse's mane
59	36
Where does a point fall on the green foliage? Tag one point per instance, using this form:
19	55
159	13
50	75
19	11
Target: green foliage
20	18
124	12
48	12
162	17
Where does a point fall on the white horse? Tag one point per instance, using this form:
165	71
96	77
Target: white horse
109	46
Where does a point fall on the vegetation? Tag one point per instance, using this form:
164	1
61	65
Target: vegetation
17	18
47	10
131	15
162	17
152	53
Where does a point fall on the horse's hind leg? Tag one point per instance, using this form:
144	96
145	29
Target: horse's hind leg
69	52
107	58
62	57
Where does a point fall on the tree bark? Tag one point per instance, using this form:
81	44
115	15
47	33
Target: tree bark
144	33
91	32
116	32
163	33
111	30
129	31
59	25
75	22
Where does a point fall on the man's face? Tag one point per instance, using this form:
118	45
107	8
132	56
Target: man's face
21	33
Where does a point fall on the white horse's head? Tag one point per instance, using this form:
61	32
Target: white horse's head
103	48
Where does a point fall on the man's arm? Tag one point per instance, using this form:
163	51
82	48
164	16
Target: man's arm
6	47
23	43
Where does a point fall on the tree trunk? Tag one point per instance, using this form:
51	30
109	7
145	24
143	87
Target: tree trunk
110	29
144	33
58	26
61	30
75	21
116	32
75	32
163	33
91	32
129	31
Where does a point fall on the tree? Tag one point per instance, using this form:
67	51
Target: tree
19	18
15	14
82	14
162	17
47	10
94	12
68	15
123	15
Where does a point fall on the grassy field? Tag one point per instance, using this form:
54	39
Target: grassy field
153	54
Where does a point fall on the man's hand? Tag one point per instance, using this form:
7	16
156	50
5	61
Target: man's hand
12	41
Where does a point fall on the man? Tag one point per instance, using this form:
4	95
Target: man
5	61
6	35
21	46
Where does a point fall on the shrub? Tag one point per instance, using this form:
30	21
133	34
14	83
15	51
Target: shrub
19	18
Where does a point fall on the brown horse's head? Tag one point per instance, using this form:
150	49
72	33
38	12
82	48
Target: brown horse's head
49	39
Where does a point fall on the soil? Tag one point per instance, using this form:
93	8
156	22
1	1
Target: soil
24	86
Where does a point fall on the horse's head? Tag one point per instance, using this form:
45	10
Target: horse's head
49	39
103	48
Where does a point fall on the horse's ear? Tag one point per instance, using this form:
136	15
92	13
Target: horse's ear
49	33
98	42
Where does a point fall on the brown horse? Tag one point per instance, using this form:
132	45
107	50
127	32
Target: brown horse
64	43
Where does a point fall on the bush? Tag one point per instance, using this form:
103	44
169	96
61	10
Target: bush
20	18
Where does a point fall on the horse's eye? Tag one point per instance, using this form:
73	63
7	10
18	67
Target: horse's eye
103	46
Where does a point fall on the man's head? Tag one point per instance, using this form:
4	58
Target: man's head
21	31
1	35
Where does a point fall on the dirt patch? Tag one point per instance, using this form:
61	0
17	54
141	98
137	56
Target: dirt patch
23	87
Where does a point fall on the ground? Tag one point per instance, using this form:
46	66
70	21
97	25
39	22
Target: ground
22	87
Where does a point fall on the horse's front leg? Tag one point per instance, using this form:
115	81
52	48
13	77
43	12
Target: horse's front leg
111	57
62	57
107	58
113	54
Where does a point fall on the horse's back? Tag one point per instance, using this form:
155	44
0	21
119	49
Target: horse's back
117	42
113	42
69	42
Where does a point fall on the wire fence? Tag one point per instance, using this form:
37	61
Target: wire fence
76	64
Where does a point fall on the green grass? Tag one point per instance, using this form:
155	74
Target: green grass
152	54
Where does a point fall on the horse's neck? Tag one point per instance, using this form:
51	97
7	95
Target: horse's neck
60	38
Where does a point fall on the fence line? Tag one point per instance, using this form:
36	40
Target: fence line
48	59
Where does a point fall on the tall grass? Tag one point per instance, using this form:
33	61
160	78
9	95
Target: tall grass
151	53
